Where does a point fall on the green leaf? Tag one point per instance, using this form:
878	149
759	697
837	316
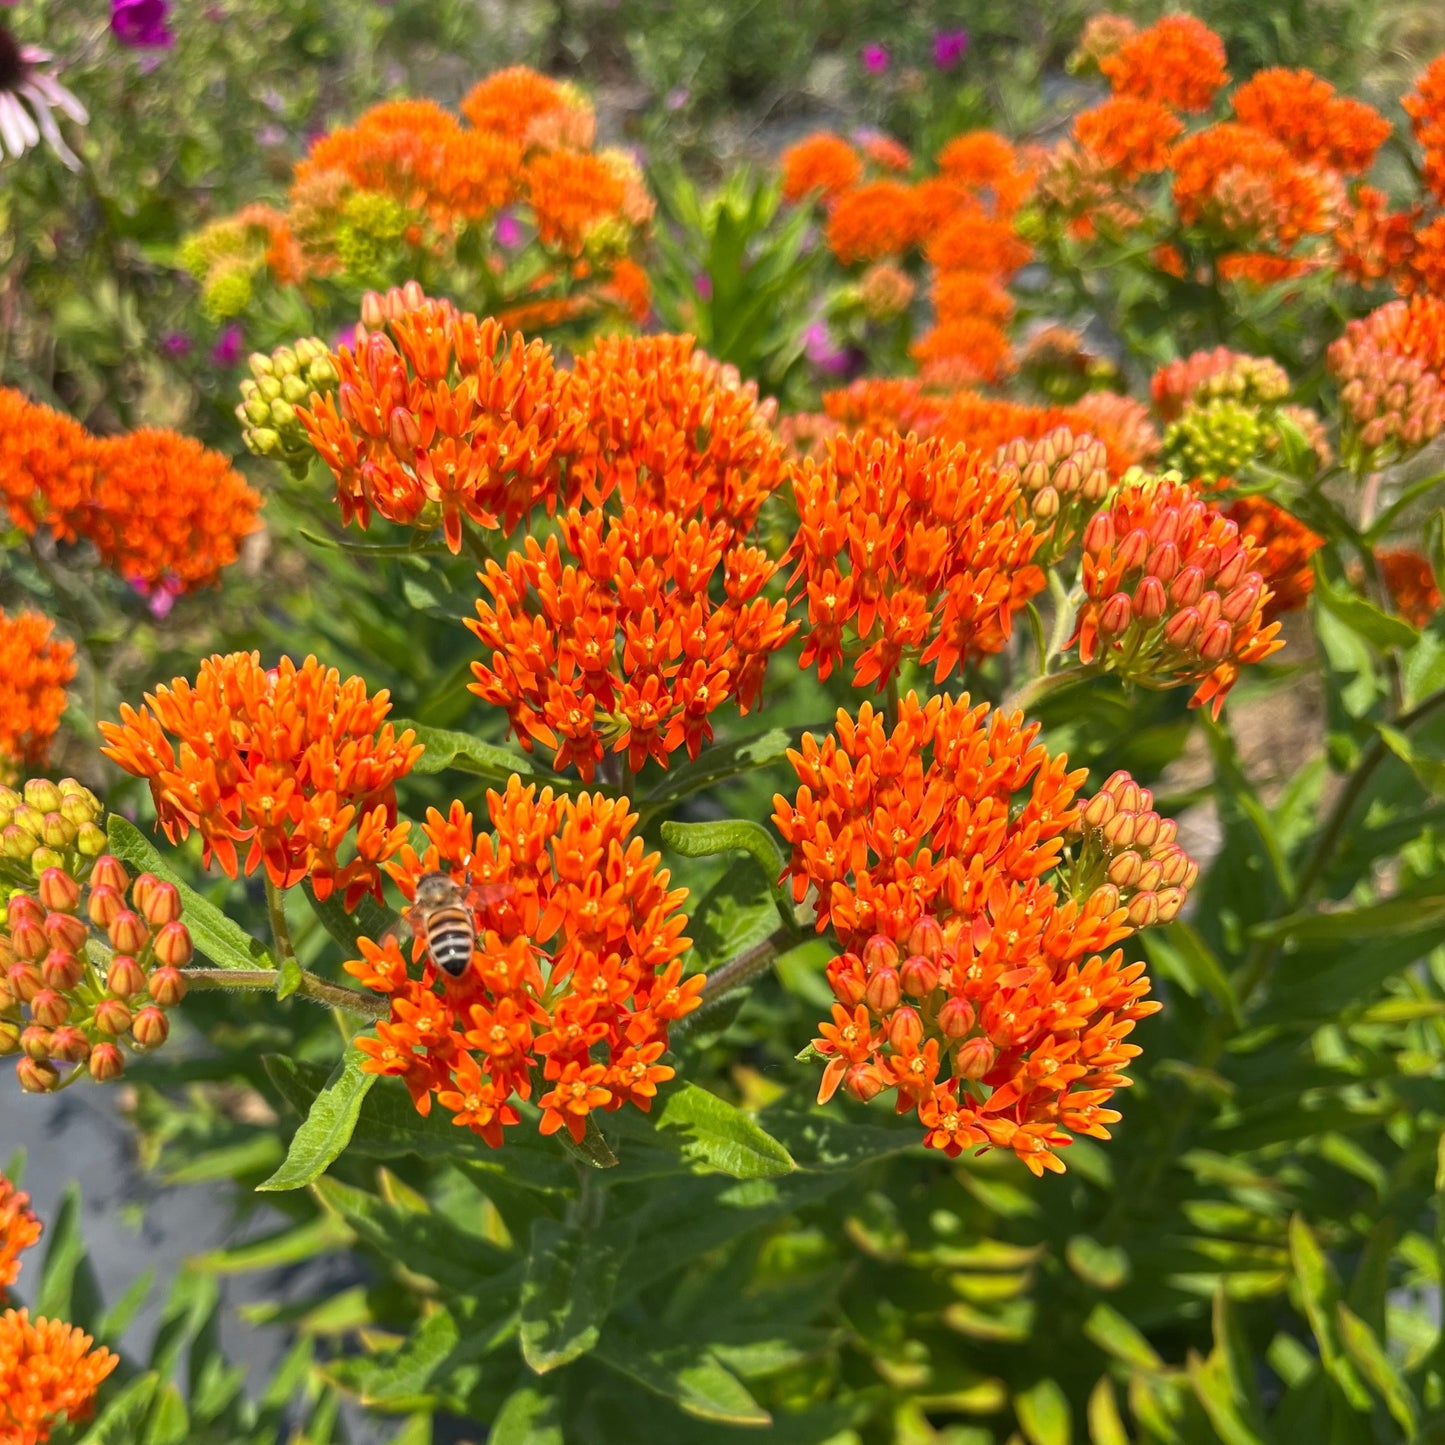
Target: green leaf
1430	771
1422	669
725	760
1363	617
63	1276
1102	1265
736	835
567	1293
1213	1391
720	1137
1106	1425
406	1374
736	913
1395	916
1319	1292
530	1416
370	919
445	749
123	1419
327	1128
1043	1411
691	1378
1375	1365
225	943
317	1236
1182	954
1116	1336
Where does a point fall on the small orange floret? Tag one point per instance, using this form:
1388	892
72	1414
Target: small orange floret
1425	106
1286	546
824	163
19	1229
49	1374
1178	60
35	670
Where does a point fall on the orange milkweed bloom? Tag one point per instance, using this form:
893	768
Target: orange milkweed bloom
1178	61
885	152
1410	580
972	241
570	192
1122	423
915	545
1205	376
1390	368
1425	265
1301	111
988	170
963	295
965	351
19	1229
444	418
49	1374
607	635
47	466
872	221
35	671
1173	593
292	760
822	162
1425	106
1286	546
1373	243
1131	136
574	981
529	108
967	984
167	510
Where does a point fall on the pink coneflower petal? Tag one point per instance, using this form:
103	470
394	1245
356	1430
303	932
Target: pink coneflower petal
29	97
51	131
17	129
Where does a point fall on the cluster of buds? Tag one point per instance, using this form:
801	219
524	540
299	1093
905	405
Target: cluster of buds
1389	369
1122	844
1173	592
47	825
1215	439
60	1005
1215	375
884	292
1063	479
279	384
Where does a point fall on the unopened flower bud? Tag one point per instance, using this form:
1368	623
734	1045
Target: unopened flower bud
956	1018
1181	629
109	872
863	1082
1151	875
1133	550
1115	617
918	975
61	969
9	1037
49	1009
70	1045
58	891
150	1027
104	905
879	952
884	991
1215	644
18	843
1149	599
112	1016
1124	870
37	1077
90	841
128	932
125	978
1164	561
905	1029
1098	810
1187	588
173	945
167	986
27	938
975	1058
57	832
23	980
847	978
106	1063
1099	534
1238	606
1118	832
42	794
1143	910
926	937
43	858
35	1042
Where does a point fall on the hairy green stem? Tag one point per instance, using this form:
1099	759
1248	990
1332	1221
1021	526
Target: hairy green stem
280	929
318	990
737	972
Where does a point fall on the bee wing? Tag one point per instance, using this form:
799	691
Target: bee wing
489	894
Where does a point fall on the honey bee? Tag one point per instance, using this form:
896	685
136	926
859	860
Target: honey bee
441	915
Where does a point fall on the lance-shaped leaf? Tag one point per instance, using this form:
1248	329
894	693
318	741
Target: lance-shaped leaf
446	749
567	1293
530	1416
326	1129
691	1378
719	1137
736	835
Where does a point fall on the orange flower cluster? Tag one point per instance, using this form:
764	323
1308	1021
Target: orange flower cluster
1410	580
292	760
1173	593
1302	112
822	163
607	635
966	983
1425	106
1063	477
1373	243
576	969
35	670
918	546
1206	376
161	509
56	1007
1390	368
1178	61
1285	545
872	220
441	418
48	1372
47	467
1128	135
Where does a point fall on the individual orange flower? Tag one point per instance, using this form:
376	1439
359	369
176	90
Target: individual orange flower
1173	593
35	671
1287	546
167	511
608	636
872	221
1178	60
570	193
47	466
1301	111
669	426
824	163
19	1229
967	983
1425	106
49	1374
441	418
1410	580
293	761
574	980
530	108
1390	368
1424	268
916	547
1131	136
1206	376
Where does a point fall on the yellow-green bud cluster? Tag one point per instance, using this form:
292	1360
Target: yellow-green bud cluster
278	384
87	967
47	825
368	236
1063	480
608	241
1216	439
1121	843
224	258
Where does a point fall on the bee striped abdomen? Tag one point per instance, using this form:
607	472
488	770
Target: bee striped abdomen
451	938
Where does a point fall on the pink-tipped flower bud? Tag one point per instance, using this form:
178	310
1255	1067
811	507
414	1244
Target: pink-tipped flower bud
1181	629
70	1044
162	904
1144	910
59	892
1170	901
57	832
35	1042
919	975
60	969
926	937
37	1077
975	1058
112	1017
879	952
1098	810
1150	603
863	1082
1099	534
1146	829
905	1029
1187	588
167	986
104	905
173	944
9	1037
1133	551
22	980
125	978
1215	644
1164	561
109	872
1239	605
956	1018
65	930
22	908
106	1063
1115	615
150	1027
1231	569
1151	875
28	939
848	980
1118	832
884	992
1124	870
128	932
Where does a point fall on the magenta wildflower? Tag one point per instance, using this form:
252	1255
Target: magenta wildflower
141	24
875	58
949	47
227	350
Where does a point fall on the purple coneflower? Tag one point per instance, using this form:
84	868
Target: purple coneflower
874	58
28	95
949	47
